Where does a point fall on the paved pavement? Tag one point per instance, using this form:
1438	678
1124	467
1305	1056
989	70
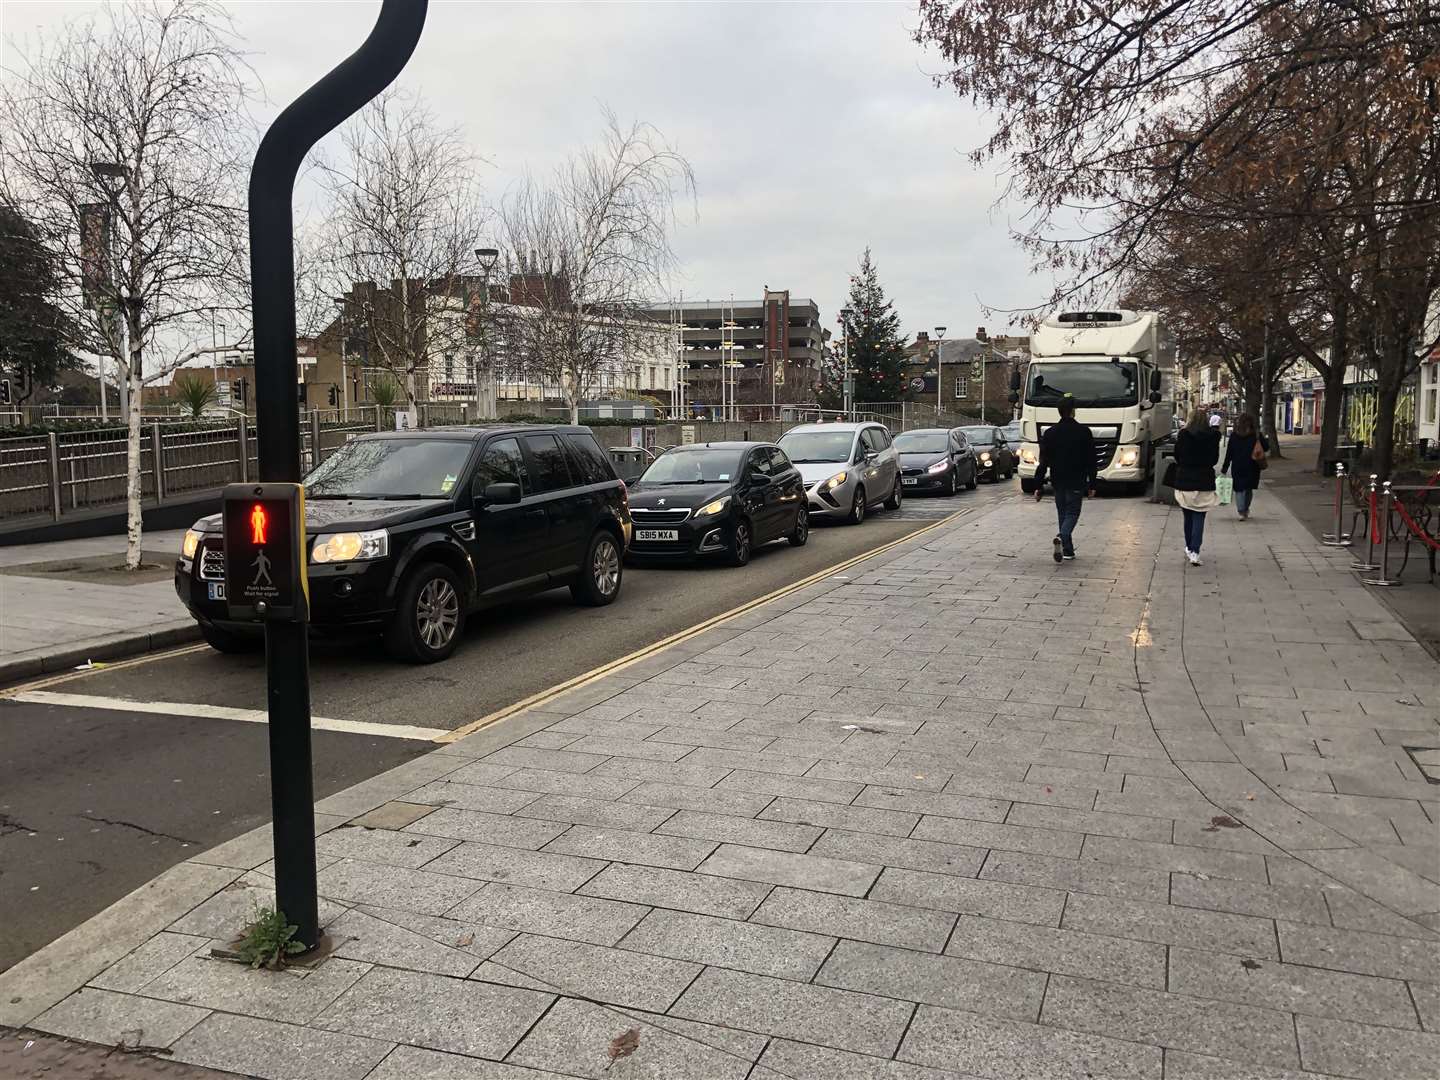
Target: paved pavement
51	620
958	812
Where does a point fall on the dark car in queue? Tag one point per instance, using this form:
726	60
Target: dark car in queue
993	454
937	460
409	532
718	499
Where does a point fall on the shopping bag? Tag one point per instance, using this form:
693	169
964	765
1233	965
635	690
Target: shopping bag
1225	488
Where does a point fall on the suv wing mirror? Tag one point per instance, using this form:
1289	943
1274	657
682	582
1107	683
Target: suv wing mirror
501	494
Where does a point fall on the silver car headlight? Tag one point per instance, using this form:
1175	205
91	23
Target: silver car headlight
712	508
835	481
350	546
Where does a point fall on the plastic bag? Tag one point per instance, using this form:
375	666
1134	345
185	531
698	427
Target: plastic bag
1225	488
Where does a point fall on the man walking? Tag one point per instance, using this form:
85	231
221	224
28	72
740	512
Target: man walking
1067	453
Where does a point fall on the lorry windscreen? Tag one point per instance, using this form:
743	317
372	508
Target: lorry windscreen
1092	384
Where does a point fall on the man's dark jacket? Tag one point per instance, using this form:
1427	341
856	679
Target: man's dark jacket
1067	454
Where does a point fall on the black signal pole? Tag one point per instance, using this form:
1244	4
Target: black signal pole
322	108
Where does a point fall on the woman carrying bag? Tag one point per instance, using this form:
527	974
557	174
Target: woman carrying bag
1244	461
1192	475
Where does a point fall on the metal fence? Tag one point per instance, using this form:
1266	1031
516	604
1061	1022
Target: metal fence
69	472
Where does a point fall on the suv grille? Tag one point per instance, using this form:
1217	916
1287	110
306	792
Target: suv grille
659	517
212	564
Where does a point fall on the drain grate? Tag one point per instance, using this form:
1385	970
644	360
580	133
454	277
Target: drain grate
1427	760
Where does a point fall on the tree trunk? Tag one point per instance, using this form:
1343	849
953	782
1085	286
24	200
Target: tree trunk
1267	409
133	512
1334	375
1250	388
1383	457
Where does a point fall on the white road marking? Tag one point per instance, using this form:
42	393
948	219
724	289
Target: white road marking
222	712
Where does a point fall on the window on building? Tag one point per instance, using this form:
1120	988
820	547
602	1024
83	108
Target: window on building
652	381
962	386
449	367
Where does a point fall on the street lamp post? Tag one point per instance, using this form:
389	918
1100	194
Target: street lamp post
344	360
848	383
939	371
486	257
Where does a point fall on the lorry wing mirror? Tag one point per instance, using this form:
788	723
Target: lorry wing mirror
1015	382
1014	396
1155	383
1155	395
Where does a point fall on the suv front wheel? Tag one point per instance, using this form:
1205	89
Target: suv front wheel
429	615
598	583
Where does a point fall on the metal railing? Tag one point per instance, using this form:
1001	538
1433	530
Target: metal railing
69	472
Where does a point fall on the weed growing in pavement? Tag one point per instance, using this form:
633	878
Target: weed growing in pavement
266	942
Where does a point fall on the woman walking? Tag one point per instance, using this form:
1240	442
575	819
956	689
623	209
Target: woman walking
1244	458
1197	449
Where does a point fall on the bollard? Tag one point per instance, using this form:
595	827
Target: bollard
1369	563
1339	538
1384	578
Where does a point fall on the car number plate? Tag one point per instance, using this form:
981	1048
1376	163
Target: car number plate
217	590
909	480
657	534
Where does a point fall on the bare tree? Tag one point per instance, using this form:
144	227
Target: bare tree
595	252
138	126
405	220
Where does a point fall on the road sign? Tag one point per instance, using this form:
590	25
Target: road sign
687	434
265	566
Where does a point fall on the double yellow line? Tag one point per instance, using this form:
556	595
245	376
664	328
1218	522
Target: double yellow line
620	664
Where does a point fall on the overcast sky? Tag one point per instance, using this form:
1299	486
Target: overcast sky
813	128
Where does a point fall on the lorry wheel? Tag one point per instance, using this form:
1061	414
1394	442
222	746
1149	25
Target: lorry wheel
429	615
226	641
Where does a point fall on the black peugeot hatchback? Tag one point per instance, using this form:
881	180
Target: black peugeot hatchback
722	499
411	531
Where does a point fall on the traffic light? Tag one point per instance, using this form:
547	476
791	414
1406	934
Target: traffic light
304	393
5	392
334	396
265	566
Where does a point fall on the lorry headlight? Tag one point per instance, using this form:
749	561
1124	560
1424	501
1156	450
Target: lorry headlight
351	546
1129	456
1028	456
834	481
190	544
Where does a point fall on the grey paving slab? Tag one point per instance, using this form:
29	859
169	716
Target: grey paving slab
467	935
759	949
155	957
1139	920
863	772
942	804
796	787
1295	902
382	846
602	813
928	855
965	896
1219	1028
621	845
1099	822
1427	1004
490	800
1074	875
832	816
540	911
1065	845
952	981
1015	1050
293	995
574	1038
1180	1065
550	782
1066	952
1354	950
777	835
104	1016
701	893
1293	987
1362	1050
275	1051
597	973
521	757
857	919
843	1019
1243	866
458	1015
787	868
502	829
390	886
416	1063
667	772
700	799
358	935
515	866
801	1061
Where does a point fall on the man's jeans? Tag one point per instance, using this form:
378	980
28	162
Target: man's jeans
1067	509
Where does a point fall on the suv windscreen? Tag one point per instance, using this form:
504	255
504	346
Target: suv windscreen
817	447
390	469
980	436
934	442
693	467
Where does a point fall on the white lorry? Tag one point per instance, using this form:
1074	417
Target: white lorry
1117	366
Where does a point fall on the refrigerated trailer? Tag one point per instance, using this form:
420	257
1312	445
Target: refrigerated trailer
1118	367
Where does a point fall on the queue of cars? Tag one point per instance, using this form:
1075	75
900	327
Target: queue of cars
412	532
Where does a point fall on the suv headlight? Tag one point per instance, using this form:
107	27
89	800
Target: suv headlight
713	508
939	466
350	546
835	481
190	544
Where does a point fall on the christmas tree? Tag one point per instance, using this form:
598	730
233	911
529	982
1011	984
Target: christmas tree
877	348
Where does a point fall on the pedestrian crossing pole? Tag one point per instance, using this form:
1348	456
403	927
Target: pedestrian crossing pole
321	109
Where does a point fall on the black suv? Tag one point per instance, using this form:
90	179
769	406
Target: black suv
410	531
722	499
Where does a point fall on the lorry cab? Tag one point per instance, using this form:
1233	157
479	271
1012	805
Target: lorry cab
1116	367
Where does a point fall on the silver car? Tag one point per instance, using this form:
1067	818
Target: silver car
847	468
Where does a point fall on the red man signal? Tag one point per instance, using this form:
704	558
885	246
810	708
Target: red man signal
258	521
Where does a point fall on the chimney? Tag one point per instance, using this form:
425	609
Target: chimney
921	335
980	334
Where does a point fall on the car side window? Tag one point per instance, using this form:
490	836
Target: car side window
870	439
501	463
779	463
758	462
587	460
550	471
882	437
